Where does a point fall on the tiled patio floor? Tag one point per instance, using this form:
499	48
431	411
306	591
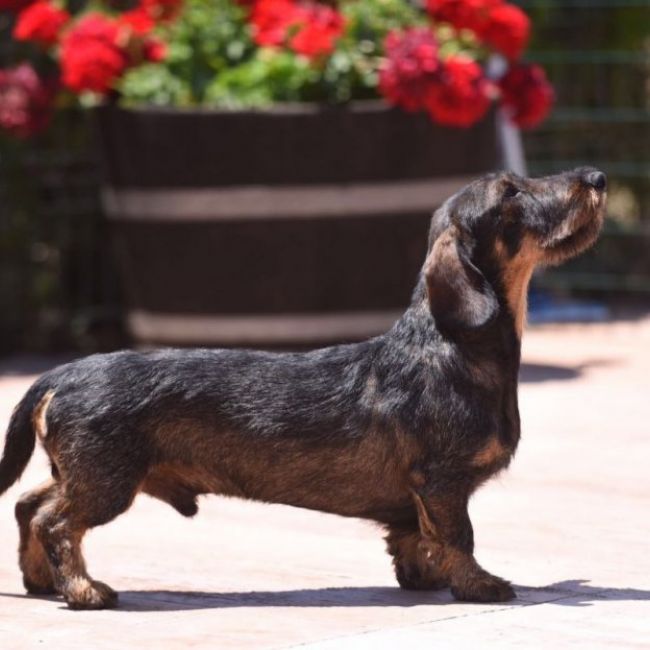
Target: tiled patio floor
569	523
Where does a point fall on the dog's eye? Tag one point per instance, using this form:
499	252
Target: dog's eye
510	192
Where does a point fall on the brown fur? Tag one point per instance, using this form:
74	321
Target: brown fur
450	545
39	415
400	429
37	574
178	485
58	528
494	453
414	568
517	273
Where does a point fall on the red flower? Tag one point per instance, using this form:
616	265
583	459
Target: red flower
91	58
41	22
163	10
271	20
507	30
410	67
154	50
138	21
321	27
311	28
135	28
25	101
501	25
14	5
454	92
460	94
462	14
526	94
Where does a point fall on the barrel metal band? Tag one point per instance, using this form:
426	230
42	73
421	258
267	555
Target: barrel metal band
251	329
280	202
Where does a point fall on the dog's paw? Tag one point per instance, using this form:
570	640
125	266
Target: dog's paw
482	587
91	595
413	578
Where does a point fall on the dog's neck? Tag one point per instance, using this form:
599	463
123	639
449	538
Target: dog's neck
500	339
511	280
487	356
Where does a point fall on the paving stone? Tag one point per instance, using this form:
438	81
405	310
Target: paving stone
568	523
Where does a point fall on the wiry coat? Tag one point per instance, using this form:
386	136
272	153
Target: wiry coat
400	429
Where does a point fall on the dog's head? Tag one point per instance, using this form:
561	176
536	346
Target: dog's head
486	240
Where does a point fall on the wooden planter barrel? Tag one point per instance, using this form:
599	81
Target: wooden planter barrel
294	226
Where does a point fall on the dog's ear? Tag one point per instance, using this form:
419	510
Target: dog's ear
459	295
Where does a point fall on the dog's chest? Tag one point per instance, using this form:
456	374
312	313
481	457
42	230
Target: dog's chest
492	456
473	427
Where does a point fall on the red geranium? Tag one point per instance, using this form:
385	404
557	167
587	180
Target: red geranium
320	27
501	25
454	92
135	36
311	28
507	30
462	14
41	22
95	50
526	94
410	67
25	101
91	58
138	21
460	94
154	50
271	20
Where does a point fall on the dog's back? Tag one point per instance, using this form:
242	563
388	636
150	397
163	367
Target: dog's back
400	429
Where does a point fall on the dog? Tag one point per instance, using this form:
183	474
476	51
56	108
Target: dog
400	429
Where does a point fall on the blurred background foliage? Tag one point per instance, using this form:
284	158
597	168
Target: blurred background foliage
59	290
597	54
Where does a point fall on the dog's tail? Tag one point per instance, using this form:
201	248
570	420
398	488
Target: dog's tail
21	435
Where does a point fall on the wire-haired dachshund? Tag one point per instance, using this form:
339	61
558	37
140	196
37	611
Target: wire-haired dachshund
400	429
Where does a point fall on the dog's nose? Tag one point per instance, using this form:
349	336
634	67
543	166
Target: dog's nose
596	179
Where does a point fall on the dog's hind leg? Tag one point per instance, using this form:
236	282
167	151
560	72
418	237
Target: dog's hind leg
60	525
37	574
413	567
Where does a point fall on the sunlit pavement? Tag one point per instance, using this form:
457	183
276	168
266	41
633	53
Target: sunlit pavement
568	523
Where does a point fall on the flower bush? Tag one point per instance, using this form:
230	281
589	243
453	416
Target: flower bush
434	56
25	101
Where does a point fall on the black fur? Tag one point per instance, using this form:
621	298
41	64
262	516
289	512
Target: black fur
400	429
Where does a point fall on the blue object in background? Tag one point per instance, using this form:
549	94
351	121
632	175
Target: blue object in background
544	308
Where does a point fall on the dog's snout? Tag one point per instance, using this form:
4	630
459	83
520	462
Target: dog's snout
596	179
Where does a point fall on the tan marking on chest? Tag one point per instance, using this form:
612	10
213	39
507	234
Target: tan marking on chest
516	278
39	420
492	453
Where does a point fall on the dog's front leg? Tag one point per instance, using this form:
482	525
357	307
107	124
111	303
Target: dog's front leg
413	568
447	533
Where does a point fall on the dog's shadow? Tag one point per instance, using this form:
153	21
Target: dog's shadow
569	593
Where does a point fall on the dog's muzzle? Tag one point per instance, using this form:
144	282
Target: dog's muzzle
584	219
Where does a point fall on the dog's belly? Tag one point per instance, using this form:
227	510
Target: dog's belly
354	478
338	487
